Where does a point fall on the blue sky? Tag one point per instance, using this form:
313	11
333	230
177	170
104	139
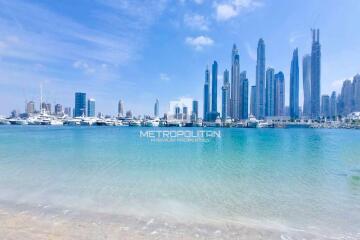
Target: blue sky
138	51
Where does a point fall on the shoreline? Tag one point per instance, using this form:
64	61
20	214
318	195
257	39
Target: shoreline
21	222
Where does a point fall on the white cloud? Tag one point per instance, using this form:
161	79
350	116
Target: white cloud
84	66
164	77
229	9
196	21
199	42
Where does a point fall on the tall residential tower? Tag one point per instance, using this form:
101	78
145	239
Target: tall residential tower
260	80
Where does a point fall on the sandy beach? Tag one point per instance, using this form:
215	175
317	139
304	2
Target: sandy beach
31	225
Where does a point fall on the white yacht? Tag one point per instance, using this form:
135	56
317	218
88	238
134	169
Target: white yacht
174	123
88	121
252	122
56	122
18	121
4	121
135	123
152	123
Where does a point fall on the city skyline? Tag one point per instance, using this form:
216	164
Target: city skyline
109	70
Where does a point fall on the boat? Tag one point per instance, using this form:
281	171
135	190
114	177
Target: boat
17	121
72	122
88	122
152	123
4	121
174	123
135	123
56	122
252	122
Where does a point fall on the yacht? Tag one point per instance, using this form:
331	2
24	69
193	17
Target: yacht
17	121
252	122
174	123
135	123
72	122
152	123
56	122
4	121
88	121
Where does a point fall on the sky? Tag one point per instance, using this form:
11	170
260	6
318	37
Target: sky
138	51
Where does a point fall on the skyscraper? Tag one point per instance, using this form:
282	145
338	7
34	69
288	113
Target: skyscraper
91	108
225	96
214	74
156	108
244	100
346	98
279	94
325	106
333	108
235	84
30	107
58	109
195	110
315	74
356	87
260	80
121	108
253	100
307	85
269	110
80	104
67	111
206	95
294	86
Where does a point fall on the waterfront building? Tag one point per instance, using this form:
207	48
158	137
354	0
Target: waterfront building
225	107
356	87
315	74
214	77
80	104
346	99
253	100
306	63
91	108
269	104
325	106
333	108
244	96
156	108
67	111
260	80
195	110
279	102
180	109
294	86
206	95
177	112
235	84
185	112
121	108
30	107
129	114
58	109
45	107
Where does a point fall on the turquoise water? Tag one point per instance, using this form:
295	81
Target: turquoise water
303	179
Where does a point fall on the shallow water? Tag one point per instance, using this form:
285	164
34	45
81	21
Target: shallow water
305	180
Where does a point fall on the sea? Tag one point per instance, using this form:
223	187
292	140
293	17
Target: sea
234	184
